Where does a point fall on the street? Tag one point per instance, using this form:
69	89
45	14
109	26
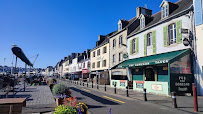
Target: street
100	102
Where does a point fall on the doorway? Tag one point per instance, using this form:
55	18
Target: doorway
149	74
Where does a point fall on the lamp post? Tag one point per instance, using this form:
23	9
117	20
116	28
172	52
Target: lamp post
4	64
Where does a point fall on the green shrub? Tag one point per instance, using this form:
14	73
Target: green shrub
59	89
62	109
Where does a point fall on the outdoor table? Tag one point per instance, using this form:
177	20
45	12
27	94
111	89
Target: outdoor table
12	105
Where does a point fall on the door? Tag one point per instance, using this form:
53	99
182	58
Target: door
149	75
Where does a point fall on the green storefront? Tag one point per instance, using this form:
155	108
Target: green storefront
162	73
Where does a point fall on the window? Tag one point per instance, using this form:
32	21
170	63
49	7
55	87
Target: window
120	57
94	54
98	52
134	46
93	65
84	65
149	39
142	22
114	43
119	26
172	33
164	11
104	49
98	64
104	63
120	41
113	59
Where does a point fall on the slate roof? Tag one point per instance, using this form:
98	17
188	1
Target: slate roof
156	18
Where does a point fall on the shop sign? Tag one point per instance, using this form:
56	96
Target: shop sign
162	61
117	73
125	55
85	70
122	84
181	83
157	87
139	84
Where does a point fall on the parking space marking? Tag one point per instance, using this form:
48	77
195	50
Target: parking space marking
86	90
114	99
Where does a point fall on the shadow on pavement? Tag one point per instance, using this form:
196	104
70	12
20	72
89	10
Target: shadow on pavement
96	98
93	106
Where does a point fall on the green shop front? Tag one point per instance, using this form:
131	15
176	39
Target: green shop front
162	73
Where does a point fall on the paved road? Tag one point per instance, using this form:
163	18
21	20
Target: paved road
100	102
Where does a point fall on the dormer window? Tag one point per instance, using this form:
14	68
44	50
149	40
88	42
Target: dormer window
119	25
142	22
164	9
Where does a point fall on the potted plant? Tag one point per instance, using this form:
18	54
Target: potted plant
61	91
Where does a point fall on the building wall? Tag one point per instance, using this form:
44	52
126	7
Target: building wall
186	24
100	58
199	61
118	49
73	65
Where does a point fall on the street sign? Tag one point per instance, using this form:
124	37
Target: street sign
184	31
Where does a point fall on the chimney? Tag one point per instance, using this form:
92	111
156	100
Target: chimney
101	37
141	10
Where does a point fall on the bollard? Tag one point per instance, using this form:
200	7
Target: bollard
87	83
127	91
115	88
105	87
83	84
92	84
145	94
195	97
174	100
97	86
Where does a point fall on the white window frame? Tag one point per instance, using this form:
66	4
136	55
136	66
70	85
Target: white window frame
98	52
104	49
94	54
120	40
119	26
142	22
149	39
114	59
120	57
114	43
172	38
134	46
165	10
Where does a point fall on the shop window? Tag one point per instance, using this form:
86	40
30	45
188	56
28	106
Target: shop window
172	33
98	64
181	66
149	39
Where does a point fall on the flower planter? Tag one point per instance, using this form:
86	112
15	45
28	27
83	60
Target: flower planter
59	101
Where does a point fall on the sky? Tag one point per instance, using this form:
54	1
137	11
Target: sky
56	28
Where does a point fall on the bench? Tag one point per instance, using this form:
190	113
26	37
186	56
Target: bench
12	105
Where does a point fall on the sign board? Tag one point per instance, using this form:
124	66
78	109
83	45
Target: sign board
113	83
139	84
122	84
181	83
125	55
184	31
157	87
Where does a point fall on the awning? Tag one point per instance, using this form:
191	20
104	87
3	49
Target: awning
154	59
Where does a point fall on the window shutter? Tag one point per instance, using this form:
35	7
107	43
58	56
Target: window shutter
165	35
178	34
137	45
154	41
145	45
130	47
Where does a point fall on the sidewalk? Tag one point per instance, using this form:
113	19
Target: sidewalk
184	103
38	98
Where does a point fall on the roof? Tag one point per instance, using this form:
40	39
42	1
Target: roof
154	59
156	18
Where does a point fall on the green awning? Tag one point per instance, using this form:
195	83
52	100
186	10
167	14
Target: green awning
154	59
